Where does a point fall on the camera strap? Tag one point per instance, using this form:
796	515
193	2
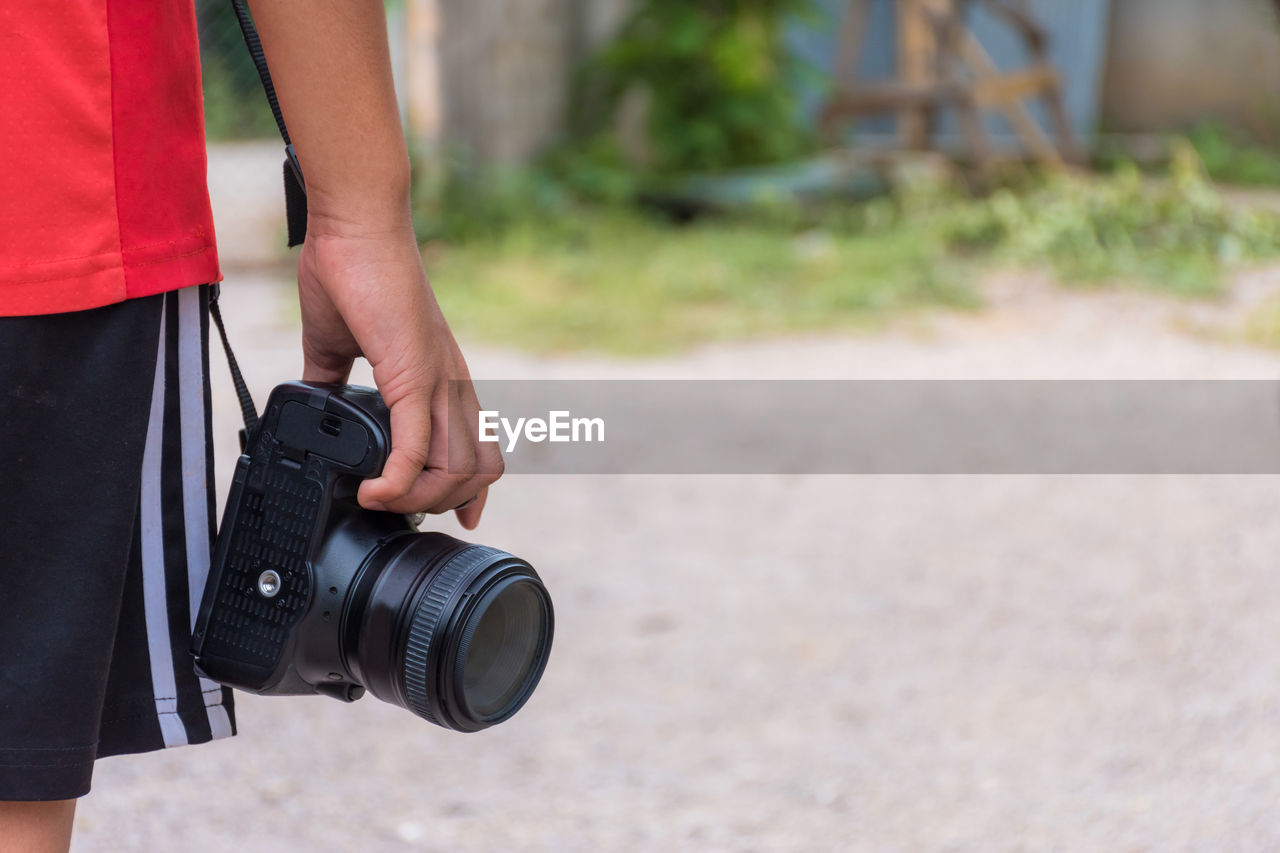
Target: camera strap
295	188
247	408
295	201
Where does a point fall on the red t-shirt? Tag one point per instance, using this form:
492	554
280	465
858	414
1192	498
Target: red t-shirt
103	192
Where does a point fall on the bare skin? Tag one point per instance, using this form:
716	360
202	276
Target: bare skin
361	285
36	827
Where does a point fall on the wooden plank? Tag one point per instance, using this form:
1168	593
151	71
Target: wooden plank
891	97
999	88
1006	92
915	60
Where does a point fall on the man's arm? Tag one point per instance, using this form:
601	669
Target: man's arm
361	283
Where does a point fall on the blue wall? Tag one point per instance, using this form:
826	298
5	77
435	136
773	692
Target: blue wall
1078	46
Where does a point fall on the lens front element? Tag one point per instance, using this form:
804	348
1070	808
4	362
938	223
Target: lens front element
499	648
459	634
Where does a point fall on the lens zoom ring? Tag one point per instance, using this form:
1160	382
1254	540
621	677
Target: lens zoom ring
426	621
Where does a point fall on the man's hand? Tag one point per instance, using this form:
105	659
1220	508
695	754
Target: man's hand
360	278
366	294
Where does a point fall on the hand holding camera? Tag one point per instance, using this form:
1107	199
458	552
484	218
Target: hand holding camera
319	583
309	592
364	293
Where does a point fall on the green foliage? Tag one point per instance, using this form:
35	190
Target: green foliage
618	281
1232	159
234	105
597	170
1176	234
519	261
233	111
717	80
464	203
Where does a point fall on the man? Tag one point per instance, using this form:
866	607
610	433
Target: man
105	242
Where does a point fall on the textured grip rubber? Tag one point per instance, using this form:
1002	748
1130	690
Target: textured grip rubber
273	532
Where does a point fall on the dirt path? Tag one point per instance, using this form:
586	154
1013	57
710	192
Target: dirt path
823	663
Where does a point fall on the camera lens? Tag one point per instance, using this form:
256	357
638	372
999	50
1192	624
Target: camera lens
457	633
498	648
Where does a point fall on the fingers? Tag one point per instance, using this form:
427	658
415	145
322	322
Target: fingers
411	435
454	467
460	450
469	516
486	464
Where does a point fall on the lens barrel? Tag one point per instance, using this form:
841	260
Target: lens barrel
458	634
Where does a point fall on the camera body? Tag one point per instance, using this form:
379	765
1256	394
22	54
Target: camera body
266	623
308	592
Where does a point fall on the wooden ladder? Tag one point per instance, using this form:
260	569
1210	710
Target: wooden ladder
941	65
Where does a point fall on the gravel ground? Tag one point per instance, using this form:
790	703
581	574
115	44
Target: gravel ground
819	663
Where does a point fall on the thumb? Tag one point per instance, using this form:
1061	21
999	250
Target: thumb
410	440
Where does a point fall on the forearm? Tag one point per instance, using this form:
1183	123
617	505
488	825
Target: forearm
362	289
332	71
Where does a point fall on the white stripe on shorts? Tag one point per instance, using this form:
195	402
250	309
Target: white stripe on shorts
194	479
160	650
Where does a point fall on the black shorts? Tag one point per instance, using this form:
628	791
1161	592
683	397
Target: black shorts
106	520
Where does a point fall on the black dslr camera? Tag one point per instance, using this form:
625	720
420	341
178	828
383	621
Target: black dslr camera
310	593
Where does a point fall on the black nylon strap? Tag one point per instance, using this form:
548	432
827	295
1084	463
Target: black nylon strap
295	196
295	188
295	199
251	41
247	409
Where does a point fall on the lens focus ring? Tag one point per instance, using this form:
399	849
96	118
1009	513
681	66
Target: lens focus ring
426	622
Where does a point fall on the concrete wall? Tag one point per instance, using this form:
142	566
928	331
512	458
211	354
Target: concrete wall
505	68
1172	63
504	64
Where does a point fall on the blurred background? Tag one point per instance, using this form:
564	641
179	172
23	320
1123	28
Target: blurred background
743	189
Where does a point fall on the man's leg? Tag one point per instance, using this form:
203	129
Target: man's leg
105	526
41	827
75	391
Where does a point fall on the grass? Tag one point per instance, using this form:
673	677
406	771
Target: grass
1262	326
624	283
1230	157
1175	235
562	277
